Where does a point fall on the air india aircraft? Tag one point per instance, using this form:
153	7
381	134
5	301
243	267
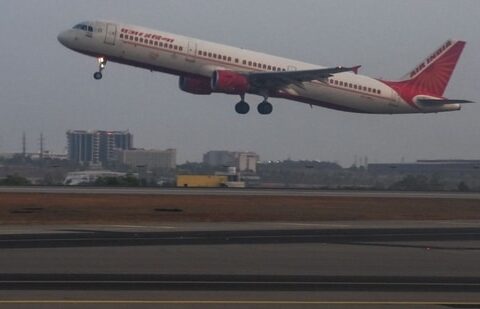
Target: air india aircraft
205	67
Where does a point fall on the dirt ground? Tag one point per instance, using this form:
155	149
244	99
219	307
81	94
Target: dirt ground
41	208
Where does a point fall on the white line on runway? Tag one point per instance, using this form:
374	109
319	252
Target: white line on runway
316	224
143	226
329	283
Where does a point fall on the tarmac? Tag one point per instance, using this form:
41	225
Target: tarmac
346	264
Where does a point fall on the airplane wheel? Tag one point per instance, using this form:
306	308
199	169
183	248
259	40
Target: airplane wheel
242	107
265	108
97	75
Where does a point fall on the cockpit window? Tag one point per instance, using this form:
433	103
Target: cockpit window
84	27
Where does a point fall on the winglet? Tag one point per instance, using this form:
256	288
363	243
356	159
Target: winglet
355	69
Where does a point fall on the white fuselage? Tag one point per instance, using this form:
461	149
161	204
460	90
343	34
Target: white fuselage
184	56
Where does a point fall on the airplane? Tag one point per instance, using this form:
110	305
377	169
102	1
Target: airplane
205	68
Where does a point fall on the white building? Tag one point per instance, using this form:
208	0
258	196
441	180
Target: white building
243	161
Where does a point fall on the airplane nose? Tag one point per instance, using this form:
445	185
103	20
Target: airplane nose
63	37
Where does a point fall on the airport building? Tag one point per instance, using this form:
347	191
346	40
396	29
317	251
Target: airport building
451	167
151	159
96	146
243	161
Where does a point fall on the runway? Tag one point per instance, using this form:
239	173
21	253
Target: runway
238	192
243	265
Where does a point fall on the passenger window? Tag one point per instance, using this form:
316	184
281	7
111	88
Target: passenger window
269	67
210	55
379	92
274	68
250	63
136	39
90	28
336	82
244	62
170	46
131	38
160	44
141	40
121	35
151	42
155	43
229	59
369	90
236	60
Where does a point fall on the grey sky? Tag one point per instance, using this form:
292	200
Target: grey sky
45	87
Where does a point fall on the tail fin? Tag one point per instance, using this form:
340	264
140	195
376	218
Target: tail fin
432	75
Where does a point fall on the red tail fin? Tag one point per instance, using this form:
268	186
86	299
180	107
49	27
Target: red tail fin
432	75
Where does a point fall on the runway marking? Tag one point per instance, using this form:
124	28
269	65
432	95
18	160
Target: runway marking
236	302
330	283
143	226
475	224
317	224
230	237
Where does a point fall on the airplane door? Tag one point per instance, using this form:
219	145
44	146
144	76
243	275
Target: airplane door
191	51
110	34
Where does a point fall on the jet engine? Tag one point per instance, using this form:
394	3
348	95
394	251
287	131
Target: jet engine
229	82
195	85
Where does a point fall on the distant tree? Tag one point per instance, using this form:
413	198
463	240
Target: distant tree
15	180
124	181
412	183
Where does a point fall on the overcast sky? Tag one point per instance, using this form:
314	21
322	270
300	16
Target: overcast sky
47	88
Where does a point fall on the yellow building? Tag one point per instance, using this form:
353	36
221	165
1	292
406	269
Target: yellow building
205	181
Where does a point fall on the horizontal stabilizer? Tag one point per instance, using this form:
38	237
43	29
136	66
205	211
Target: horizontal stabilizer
438	102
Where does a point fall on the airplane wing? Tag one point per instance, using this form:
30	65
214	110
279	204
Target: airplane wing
439	102
275	80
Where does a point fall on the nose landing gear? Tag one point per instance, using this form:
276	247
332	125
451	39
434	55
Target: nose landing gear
102	63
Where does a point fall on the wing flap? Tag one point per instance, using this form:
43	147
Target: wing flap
280	79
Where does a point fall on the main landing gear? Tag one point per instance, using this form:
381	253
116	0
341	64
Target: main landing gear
242	107
263	108
102	63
